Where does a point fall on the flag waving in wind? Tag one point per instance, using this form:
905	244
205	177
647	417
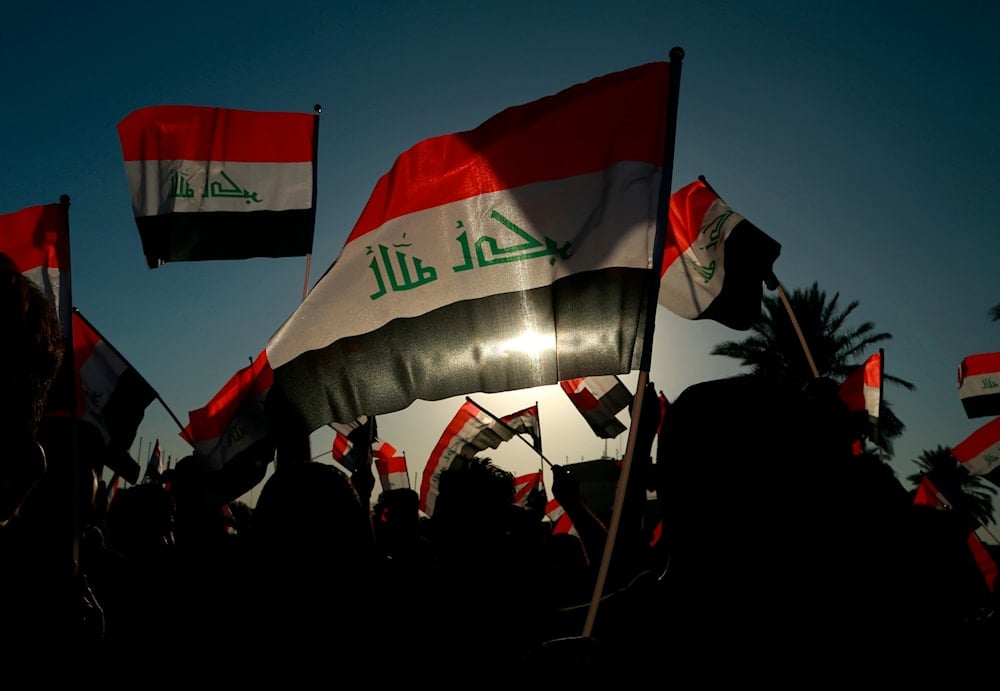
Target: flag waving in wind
470	431
352	442
234	420
216	183
979	453
599	399
391	466
979	384
715	262
513	255
862	392
111	394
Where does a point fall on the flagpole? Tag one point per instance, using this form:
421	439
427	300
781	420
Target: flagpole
652	300
512	430
319	109
795	323
878	420
75	422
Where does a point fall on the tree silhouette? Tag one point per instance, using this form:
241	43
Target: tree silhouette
995	312
967	492
773	350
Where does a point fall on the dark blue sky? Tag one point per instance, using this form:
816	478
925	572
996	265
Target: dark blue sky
862	136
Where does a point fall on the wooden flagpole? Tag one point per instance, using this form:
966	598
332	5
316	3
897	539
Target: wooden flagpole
795	323
662	221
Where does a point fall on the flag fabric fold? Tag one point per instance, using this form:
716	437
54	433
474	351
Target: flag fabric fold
979	384
513	255
390	465
715	262
987	566
111	395
233	420
218	183
560	520
599	399
471	430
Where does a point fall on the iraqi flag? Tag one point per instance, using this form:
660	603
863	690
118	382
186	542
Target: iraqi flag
928	494
715	262
233	421
560	520
111	394
352	442
470	431
527	485
513	255
216	183
390	465
37	241
862	392
526	422
979	384
979	453
154	467
599	399
987	567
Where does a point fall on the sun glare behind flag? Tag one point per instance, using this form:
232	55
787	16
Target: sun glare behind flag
513	255
715	262
218	183
979	384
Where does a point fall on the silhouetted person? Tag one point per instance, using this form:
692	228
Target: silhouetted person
789	558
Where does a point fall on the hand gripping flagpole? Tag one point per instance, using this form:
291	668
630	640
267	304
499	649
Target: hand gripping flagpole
663	219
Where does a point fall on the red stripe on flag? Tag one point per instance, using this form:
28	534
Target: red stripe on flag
203	133
36	236
514	147
212	420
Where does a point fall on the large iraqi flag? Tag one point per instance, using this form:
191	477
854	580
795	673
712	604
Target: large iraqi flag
218	183
513	255
715	262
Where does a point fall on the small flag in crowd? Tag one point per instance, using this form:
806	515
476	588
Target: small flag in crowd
715	262
390	465
862	392
352	442
527	486
111	394
486	260
471	430
599	399
234	419
559	519
154	467
987	567
217	183
979	384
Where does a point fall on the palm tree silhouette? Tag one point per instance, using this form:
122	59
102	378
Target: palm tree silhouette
773	348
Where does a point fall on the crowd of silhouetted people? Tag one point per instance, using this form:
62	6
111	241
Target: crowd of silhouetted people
778	556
